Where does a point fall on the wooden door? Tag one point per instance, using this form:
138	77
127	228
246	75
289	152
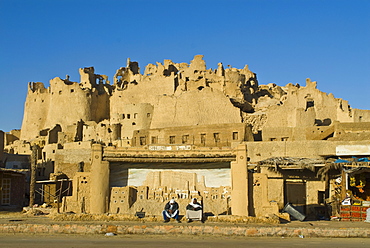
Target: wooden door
295	193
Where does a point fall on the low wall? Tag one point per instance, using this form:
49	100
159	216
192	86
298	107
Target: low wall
185	230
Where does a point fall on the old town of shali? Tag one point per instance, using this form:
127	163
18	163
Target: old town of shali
127	144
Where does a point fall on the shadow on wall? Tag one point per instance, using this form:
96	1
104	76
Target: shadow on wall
325	122
118	176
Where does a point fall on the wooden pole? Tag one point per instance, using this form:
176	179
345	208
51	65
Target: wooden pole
34	149
344	183
327	194
327	185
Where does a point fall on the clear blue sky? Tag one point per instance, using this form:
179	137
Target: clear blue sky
282	41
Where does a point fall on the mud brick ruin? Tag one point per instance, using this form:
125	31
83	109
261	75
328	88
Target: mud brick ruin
181	131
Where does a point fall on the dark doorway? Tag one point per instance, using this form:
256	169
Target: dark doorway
295	193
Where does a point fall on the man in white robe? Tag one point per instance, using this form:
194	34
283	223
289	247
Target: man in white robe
194	211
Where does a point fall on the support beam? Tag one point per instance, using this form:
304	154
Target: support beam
239	179
99	187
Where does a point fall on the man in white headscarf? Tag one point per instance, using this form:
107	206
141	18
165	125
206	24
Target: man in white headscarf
194	211
171	210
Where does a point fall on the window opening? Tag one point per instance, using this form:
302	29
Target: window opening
203	138
142	141
154	139
310	104
216	137
185	139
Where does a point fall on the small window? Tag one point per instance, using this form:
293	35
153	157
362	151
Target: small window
172	139
123	116
154	139
135	115
148	115
321	197
142	141
310	104
185	139
128	116
72	90
272	139
235	135
216	137
203	138
284	139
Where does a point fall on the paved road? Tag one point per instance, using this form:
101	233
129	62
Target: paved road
152	241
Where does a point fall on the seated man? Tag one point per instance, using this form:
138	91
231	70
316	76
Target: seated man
171	210
194	211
